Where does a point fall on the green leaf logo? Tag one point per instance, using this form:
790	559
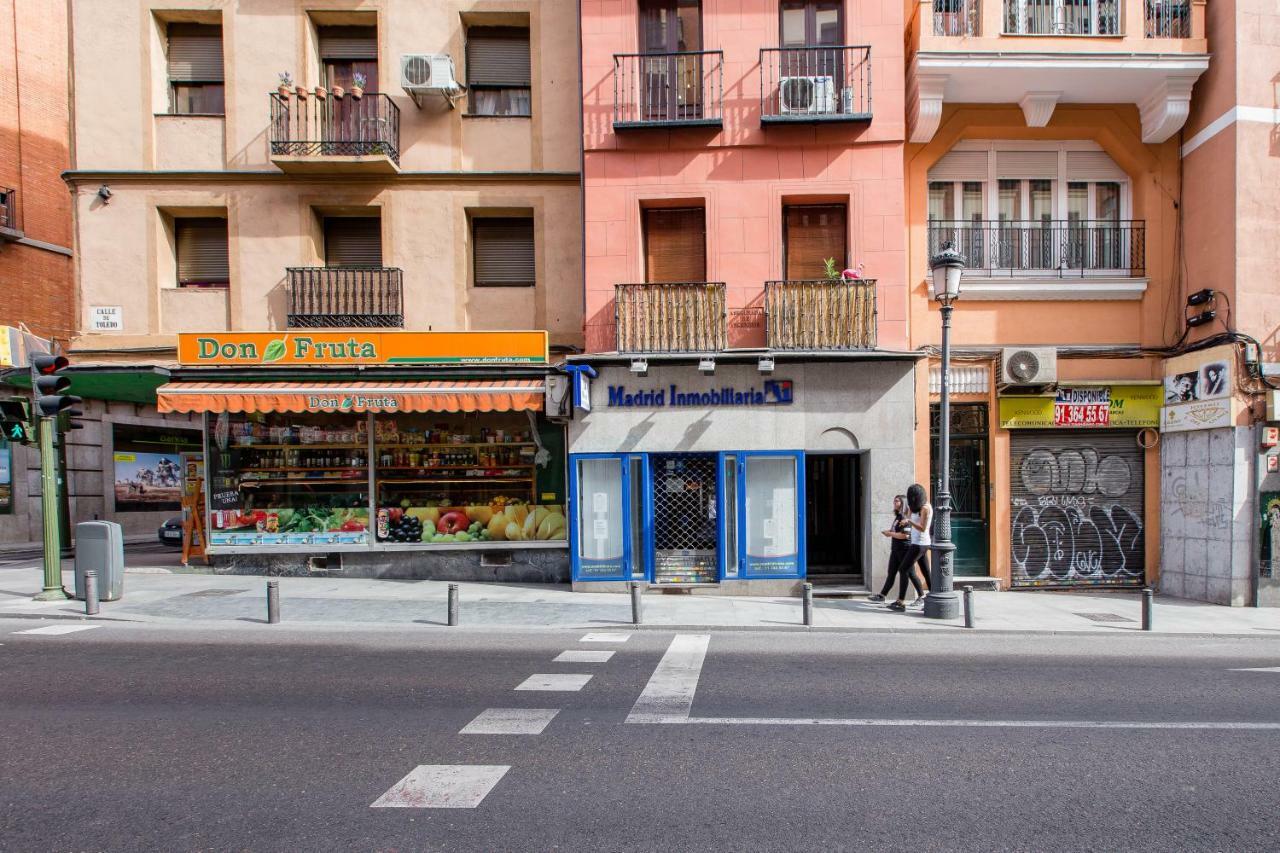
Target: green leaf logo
347	403
274	351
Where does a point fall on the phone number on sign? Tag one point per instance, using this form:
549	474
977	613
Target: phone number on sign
1081	414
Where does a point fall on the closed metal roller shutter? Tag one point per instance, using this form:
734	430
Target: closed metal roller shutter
353	242
348	42
1027	164
1092	166
202	251
960	166
503	252
498	56
1077	508
195	53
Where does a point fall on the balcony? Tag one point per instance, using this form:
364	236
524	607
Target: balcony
1073	249
1041	53
335	135
667	90
676	317
820	315
810	85
331	298
9	229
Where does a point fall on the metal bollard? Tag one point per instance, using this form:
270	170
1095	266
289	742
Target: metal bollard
273	602
637	606
968	607
90	593
453	605
806	604
1148	600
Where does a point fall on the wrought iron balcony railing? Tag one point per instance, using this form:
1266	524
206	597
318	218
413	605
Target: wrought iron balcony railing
668	89
820	314
1167	19
956	17
814	84
676	317
1066	249
336	298
1062	17
335	127
8	210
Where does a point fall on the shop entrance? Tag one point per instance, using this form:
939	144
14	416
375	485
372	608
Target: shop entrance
684	518
833	527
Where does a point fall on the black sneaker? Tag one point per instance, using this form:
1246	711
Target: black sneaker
898	606
876	598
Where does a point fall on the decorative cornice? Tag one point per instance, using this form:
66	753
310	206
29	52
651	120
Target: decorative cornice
228	176
1038	107
1165	110
926	105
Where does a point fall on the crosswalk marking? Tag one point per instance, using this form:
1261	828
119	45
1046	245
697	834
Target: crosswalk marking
442	786
668	697
510	721
568	682
54	630
1258	669
583	656
605	637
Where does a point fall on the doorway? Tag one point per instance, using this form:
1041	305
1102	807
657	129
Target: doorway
969	483
833	525
685	524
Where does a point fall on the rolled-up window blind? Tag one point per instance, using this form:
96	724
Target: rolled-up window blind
498	56
348	42
503	252
195	53
675	244
353	241
813	234
202	251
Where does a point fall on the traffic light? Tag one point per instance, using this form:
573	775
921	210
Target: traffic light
50	386
15	421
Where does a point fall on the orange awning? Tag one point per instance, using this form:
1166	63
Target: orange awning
472	395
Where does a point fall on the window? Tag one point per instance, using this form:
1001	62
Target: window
202	252
6	477
195	69
346	52
148	466
671	85
812	233
675	244
502	252
810	23
352	242
499	78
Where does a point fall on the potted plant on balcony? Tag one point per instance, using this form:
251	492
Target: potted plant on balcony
286	84
321	93
850	274
357	85
338	92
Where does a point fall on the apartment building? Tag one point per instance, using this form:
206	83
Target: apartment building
1044	145
36	272
746	402
334	244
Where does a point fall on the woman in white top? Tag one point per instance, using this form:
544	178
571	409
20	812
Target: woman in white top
918	522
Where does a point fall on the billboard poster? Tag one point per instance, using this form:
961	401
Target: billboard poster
148	481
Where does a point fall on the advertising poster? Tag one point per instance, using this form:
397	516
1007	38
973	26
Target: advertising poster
148	481
6	477
1198	390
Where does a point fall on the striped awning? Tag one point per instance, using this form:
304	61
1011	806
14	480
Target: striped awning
472	395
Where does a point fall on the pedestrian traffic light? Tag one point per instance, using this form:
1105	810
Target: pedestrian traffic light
50	386
15	421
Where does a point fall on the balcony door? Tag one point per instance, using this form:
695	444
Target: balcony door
352	242
671	79
344	53
812	234
815	28
675	245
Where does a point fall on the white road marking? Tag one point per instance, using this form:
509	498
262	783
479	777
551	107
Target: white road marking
605	637
583	656
442	786
510	721
1258	669
1015	724
668	697
54	630
554	681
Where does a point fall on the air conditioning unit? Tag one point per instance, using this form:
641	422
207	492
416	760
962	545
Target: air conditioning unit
428	73
807	95
1028	365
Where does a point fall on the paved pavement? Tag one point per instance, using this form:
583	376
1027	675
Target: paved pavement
126	736
155	594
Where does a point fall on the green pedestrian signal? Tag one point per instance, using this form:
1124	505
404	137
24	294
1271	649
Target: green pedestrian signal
17	432
15	421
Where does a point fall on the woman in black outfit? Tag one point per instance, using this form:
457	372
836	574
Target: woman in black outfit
898	537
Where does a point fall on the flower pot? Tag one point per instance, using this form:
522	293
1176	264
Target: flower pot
301	92
322	92
357	92
283	90
338	92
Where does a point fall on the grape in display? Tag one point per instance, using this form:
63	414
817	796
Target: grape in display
405	529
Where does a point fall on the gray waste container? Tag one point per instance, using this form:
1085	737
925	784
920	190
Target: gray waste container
100	548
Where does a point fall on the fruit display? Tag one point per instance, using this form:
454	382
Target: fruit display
493	522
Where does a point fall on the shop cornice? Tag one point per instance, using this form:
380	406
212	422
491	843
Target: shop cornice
748	356
77	177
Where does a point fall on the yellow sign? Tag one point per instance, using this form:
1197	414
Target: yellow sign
126	457
1085	407
272	349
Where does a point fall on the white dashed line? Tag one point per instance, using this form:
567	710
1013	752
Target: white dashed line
1258	669
442	786
54	630
510	721
668	697
553	681
605	638
583	656
963	724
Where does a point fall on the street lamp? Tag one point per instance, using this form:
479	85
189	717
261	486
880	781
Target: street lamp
942	602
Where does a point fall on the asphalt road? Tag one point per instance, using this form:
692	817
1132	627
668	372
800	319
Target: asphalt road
272	738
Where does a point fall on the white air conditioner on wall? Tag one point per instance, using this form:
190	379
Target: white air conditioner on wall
428	73
807	96
1028	365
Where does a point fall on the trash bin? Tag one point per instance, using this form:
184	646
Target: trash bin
100	548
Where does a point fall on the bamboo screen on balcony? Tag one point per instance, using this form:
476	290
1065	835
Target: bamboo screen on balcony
675	244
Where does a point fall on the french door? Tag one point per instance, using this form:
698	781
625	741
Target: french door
671	78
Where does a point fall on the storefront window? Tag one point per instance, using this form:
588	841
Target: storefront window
600	542
6	477
771	504
291	479
148	466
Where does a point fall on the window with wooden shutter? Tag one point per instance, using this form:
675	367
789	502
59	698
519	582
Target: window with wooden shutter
502	252
675	244
195	69
347	51
499	76
352	242
813	233
202	252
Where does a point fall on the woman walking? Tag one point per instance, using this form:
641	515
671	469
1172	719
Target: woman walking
898	537
919	522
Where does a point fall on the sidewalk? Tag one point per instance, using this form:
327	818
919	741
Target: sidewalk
155	596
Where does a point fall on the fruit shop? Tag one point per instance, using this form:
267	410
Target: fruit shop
389	458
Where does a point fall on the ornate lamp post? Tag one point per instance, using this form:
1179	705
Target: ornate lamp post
942	602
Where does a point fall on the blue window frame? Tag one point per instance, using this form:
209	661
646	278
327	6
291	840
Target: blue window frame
771	514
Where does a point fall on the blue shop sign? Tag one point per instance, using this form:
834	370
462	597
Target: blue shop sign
772	392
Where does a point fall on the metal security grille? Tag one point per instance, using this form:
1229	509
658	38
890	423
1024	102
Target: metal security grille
684	518
1077	508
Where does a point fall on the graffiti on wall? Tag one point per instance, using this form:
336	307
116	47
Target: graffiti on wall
1071	520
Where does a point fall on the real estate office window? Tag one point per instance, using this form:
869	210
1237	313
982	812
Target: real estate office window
202	252
499	76
502	252
195	69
